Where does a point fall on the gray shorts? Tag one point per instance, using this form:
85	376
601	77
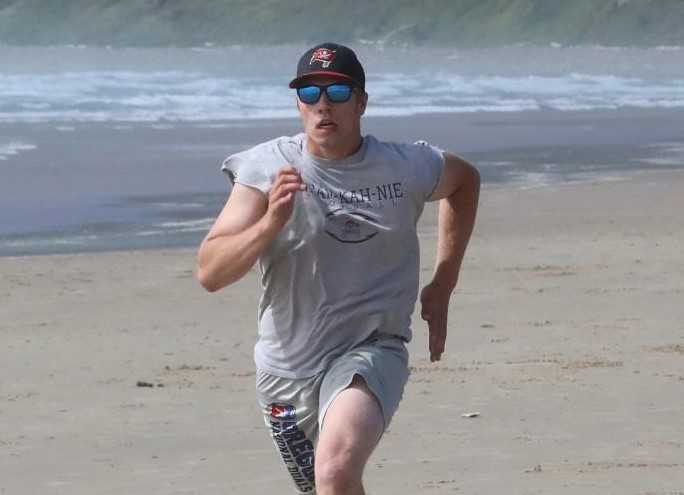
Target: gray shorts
294	409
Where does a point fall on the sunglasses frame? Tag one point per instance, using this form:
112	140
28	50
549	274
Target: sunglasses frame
323	88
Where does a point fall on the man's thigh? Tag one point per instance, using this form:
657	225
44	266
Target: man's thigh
360	393
353	426
381	362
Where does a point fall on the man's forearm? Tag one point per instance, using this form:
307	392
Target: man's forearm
455	225
225	258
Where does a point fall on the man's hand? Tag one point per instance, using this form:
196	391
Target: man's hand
282	196
434	302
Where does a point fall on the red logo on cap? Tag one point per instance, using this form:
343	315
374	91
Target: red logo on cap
323	55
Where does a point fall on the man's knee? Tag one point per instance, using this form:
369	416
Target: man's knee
337	474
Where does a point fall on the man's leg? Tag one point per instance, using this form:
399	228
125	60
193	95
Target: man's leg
352	428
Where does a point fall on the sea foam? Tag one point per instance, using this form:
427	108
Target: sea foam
193	96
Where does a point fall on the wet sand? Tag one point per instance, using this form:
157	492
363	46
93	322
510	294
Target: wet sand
566	335
104	186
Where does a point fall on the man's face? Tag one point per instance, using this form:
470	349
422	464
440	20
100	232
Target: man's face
332	126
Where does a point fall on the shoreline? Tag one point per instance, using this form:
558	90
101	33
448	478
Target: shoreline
429	212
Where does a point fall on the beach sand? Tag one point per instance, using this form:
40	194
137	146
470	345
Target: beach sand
566	334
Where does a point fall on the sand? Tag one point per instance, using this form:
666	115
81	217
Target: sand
566	335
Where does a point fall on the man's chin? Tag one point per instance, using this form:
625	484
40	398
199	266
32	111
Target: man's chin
324	133
324	139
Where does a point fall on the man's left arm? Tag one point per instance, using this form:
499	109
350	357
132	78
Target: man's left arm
458	192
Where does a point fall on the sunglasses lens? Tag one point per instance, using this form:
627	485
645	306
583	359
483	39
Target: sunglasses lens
338	93
309	94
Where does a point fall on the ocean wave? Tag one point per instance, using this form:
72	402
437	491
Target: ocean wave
193	96
188	225
669	48
14	148
48	240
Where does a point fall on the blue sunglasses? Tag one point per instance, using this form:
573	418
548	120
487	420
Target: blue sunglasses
336	93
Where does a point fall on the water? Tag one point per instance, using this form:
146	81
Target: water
106	148
85	88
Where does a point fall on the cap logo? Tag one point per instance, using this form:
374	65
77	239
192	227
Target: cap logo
323	55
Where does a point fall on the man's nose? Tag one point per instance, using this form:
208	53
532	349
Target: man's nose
323	102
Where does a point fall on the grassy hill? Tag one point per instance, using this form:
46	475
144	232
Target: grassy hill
453	22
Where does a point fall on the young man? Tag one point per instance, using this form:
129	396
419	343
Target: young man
330	216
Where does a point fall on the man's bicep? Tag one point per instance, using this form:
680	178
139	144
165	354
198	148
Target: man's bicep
455	173
245	206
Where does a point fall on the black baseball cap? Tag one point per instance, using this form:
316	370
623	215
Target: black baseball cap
330	59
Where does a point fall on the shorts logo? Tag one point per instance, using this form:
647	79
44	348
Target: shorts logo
324	56
281	411
296	450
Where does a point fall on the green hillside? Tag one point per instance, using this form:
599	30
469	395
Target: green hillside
456	22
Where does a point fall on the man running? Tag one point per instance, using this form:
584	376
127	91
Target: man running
330	217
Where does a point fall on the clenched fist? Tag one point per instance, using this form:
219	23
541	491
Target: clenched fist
282	196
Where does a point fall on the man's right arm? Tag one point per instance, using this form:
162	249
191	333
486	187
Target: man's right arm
246	226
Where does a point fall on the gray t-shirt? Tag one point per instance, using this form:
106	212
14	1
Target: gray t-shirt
346	263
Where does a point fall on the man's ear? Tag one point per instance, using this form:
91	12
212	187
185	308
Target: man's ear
362	102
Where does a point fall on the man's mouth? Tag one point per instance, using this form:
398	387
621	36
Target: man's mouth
326	124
